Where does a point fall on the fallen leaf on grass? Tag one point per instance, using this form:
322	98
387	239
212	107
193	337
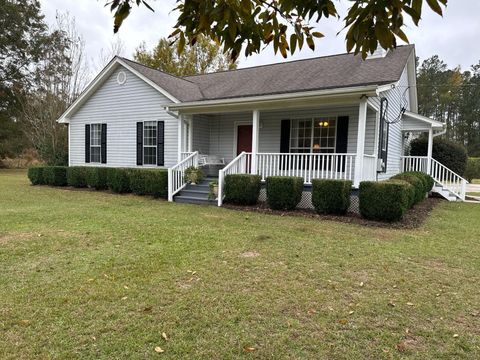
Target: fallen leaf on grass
25	322
361	284
343	321
164	336
391	304
159	350
125	298
147	309
312	311
409	304
125	287
249	349
351	312
455	335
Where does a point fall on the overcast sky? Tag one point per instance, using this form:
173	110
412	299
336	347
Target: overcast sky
455	37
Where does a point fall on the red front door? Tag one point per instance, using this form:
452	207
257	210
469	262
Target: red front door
244	138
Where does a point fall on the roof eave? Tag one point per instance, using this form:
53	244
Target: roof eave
369	90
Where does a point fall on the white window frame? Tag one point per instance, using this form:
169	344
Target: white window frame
155	123
99	146
313	120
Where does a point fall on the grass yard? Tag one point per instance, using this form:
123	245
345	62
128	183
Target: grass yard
93	275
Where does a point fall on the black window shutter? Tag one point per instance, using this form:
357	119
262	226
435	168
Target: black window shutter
160	143
87	143
103	150
285	136
139	143
342	140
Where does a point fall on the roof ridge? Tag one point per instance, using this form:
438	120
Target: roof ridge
279	63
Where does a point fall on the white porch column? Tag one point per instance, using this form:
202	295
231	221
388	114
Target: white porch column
190	134
255	135
362	121
430	150
180	137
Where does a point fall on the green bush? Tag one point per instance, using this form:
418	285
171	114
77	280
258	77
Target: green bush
416	182
97	177
149	182
331	196
55	175
242	189
448	153
427	180
473	169
118	180
284	192
384	200
35	175
77	176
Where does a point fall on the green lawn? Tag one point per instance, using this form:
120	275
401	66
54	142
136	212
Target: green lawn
93	275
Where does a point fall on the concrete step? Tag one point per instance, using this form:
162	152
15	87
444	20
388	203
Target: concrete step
192	200
199	194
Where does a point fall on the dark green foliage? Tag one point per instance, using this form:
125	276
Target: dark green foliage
55	175
77	176
384	200
149	182
450	154
242	189
118	180
427	180
35	175
284	192
331	196
417	182
473	169
97	177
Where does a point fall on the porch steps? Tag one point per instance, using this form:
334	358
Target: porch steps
445	193
196	194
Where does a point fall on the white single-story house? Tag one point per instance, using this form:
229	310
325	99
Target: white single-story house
337	117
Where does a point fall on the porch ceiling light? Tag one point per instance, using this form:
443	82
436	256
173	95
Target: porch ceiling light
323	123
316	146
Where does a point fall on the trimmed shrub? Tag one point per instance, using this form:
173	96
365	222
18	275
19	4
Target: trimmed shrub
284	192
384	200
417	183
149	182
448	153
427	180
97	177
473	169
118	180
331	196
77	176
55	175
242	189
35	175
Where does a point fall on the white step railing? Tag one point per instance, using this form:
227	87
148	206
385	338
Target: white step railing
448	179
442	175
176	174
369	171
240	165
185	154
307	165
415	163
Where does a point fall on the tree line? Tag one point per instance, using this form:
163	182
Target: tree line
452	96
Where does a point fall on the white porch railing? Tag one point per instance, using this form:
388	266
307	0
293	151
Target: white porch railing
415	163
369	168
240	165
176	174
309	165
185	154
442	175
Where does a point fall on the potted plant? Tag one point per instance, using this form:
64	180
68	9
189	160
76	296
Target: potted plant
193	175
213	190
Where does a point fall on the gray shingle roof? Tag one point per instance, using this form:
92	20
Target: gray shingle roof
328	72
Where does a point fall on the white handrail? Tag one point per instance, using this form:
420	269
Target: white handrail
185	154
449	179
240	165
442	175
307	165
176	174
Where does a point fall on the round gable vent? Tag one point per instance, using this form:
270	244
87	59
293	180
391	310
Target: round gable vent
121	77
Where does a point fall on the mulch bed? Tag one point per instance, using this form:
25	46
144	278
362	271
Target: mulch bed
413	219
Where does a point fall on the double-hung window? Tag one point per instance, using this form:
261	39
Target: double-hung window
313	135
95	143
150	143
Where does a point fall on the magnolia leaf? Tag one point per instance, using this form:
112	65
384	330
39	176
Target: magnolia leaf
164	335
435	6
159	350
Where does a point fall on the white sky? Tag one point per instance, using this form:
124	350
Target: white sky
455	37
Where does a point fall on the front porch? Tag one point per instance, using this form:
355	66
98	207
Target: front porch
322	142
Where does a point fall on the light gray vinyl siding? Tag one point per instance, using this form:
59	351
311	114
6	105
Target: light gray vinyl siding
121	107
397	98
222	129
201	134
